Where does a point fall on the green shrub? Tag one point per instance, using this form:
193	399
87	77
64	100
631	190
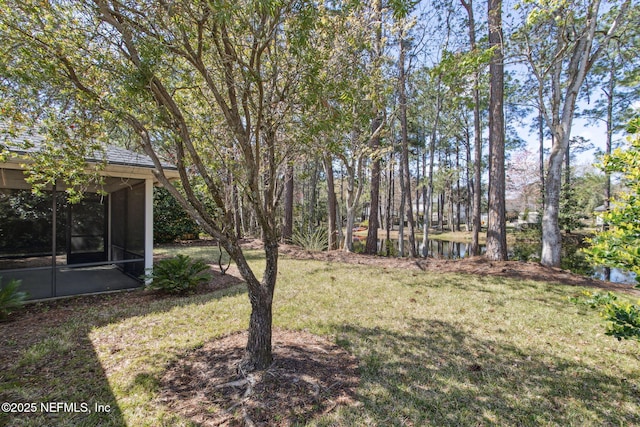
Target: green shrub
623	317
624	321
617	246
10	298
171	222
389	248
178	275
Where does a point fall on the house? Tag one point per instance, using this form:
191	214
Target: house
103	243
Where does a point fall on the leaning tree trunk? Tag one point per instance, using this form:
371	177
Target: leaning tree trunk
581	58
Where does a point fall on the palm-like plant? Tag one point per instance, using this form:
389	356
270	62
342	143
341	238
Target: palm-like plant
10	297
177	275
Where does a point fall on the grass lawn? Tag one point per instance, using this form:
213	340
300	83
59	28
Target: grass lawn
434	349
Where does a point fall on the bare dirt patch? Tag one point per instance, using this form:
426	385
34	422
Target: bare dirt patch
309	376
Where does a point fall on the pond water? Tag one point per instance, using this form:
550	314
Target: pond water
440	249
615	275
572	259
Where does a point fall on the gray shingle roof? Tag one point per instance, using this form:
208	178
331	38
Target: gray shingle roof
114	155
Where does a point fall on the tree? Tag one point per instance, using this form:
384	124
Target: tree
616	75
477	135
332	204
561	42
405	177
430	97
215	86
287	226
589	191
371	246
618	246
496	221
523	180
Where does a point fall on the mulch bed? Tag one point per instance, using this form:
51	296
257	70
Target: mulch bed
309	376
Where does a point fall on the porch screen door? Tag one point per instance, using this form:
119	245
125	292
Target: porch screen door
87	230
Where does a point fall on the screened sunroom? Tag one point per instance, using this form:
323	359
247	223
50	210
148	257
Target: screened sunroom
103	243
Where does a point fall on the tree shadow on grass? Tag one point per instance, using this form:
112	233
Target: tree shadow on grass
439	375
47	355
501	288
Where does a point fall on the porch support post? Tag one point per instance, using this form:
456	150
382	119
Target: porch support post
148	225
54	243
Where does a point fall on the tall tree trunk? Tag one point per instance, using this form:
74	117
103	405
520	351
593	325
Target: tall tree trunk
232	189
496	221
401	212
441	200
458	196
354	191
418	184
470	195
287	227
388	206
237	213
541	144
341	207
428	210
567	166
477	172
477	193
313	198
611	85
452	212
371	247
406	191
332	203
424	250
551	238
